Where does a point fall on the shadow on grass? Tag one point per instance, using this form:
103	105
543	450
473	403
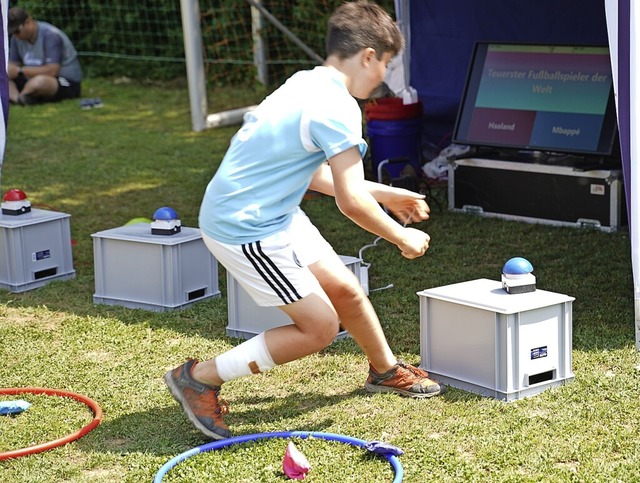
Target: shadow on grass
166	431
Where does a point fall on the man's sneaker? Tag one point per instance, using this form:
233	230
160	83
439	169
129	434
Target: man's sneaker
27	100
200	402
403	379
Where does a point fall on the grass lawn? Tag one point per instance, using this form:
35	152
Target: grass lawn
137	153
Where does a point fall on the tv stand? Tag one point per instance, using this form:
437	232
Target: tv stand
578	162
538	192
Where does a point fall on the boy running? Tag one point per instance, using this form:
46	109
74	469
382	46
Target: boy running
306	135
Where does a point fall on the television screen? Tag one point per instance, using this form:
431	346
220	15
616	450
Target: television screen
546	98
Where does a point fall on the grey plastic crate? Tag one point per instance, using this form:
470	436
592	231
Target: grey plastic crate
477	337
35	249
137	269
247	319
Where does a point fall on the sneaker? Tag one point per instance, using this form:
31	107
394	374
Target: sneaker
27	100
405	380
200	402
87	104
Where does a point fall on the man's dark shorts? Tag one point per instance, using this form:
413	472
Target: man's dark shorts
66	89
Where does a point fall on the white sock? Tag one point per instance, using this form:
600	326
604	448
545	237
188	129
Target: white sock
250	357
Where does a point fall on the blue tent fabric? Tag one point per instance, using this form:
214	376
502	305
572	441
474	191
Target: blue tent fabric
623	19
444	32
624	94
4	78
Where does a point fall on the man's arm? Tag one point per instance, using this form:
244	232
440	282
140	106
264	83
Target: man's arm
46	69
53	48
15	62
13	70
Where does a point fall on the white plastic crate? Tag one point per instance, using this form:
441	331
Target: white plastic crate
247	319
137	269
35	249
477	337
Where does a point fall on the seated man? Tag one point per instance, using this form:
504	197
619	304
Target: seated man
43	63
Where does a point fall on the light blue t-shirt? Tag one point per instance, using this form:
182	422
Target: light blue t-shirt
271	160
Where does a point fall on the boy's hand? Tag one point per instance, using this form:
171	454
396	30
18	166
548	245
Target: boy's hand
414	243
409	209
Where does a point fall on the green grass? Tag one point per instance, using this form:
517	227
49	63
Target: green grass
107	166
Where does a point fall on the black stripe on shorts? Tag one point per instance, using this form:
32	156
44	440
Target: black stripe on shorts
270	273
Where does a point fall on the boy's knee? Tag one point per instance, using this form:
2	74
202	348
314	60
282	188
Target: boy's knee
332	333
325	334
349	293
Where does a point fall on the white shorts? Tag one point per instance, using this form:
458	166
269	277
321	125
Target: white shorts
274	271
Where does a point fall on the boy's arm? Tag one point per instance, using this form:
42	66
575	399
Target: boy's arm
406	205
356	201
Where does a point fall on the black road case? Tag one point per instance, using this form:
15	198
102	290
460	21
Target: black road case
538	193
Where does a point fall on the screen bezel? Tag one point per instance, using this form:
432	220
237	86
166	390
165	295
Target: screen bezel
608	132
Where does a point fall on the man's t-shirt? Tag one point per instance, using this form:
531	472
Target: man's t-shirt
272	158
52	46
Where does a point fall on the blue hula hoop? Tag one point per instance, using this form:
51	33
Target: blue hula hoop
223	443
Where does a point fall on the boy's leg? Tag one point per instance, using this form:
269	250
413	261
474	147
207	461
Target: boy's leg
269	263
358	317
196	386
354	309
200	402
315	327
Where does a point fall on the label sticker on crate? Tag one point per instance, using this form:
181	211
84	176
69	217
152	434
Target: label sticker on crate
598	189
42	255
539	352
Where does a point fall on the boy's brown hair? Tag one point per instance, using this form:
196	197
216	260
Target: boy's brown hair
360	24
